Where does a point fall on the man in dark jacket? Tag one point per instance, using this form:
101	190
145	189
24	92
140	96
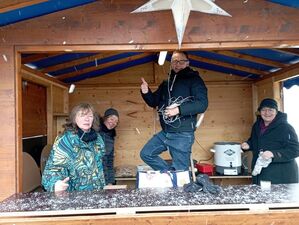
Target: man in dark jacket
273	140
178	100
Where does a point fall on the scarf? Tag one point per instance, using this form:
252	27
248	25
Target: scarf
87	136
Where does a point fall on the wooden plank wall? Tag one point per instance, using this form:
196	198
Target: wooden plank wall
7	121
269	89
110	22
34	113
228	118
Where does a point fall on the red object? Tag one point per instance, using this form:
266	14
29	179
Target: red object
205	168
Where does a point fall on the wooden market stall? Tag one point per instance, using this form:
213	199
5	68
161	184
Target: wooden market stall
108	27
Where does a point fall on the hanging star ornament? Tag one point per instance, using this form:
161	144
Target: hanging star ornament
181	11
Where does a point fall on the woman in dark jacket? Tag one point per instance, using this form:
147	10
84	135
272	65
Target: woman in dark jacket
274	145
107	131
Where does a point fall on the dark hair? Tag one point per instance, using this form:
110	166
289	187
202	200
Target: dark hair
110	112
268	102
182	52
85	108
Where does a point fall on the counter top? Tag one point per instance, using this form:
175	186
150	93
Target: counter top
128	201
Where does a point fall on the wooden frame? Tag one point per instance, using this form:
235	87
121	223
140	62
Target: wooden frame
236	217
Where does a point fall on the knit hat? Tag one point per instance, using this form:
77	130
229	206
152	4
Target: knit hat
110	112
268	102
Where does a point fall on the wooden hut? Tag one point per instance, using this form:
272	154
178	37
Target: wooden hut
33	103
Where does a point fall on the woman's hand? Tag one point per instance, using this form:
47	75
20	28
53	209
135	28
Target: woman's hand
267	155
61	185
245	146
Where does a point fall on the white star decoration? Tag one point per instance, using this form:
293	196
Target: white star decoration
181	10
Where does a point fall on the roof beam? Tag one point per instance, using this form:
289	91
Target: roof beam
9	5
228	65
284	74
75	62
250	58
37	57
102	66
290	50
40	77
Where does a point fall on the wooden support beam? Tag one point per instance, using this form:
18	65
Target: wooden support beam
102	66
250	58
228	65
283	74
158	47
9	5
77	62
40	78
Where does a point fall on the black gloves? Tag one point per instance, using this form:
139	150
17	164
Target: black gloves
207	186
192	187
202	184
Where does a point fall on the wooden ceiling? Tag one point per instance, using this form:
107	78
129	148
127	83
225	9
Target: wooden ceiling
70	67
251	64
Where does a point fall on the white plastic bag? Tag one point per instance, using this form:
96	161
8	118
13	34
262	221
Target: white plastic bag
157	179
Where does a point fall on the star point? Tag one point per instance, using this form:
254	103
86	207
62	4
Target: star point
181	11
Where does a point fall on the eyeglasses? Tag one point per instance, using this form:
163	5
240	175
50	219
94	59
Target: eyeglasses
180	62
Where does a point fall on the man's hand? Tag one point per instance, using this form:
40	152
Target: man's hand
144	86
170	111
61	185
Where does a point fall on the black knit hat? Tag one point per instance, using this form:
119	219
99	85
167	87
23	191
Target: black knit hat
110	112
268	102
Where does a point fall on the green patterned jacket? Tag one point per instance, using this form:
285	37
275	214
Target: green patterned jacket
76	159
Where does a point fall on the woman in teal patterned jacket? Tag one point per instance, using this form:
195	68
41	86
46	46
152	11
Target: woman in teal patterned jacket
75	161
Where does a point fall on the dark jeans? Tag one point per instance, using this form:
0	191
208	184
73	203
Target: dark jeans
179	146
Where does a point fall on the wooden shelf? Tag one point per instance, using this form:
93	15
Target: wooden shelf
229	176
216	179
60	114
211	177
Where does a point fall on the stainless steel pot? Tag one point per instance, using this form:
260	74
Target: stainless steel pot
227	157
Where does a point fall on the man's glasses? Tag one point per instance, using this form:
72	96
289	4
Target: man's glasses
180	62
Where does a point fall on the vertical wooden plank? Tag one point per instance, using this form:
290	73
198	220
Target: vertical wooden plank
277	95
19	125
269	88
65	101
50	129
7	120
254	101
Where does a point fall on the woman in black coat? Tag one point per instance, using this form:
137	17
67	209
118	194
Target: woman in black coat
273	140
108	124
